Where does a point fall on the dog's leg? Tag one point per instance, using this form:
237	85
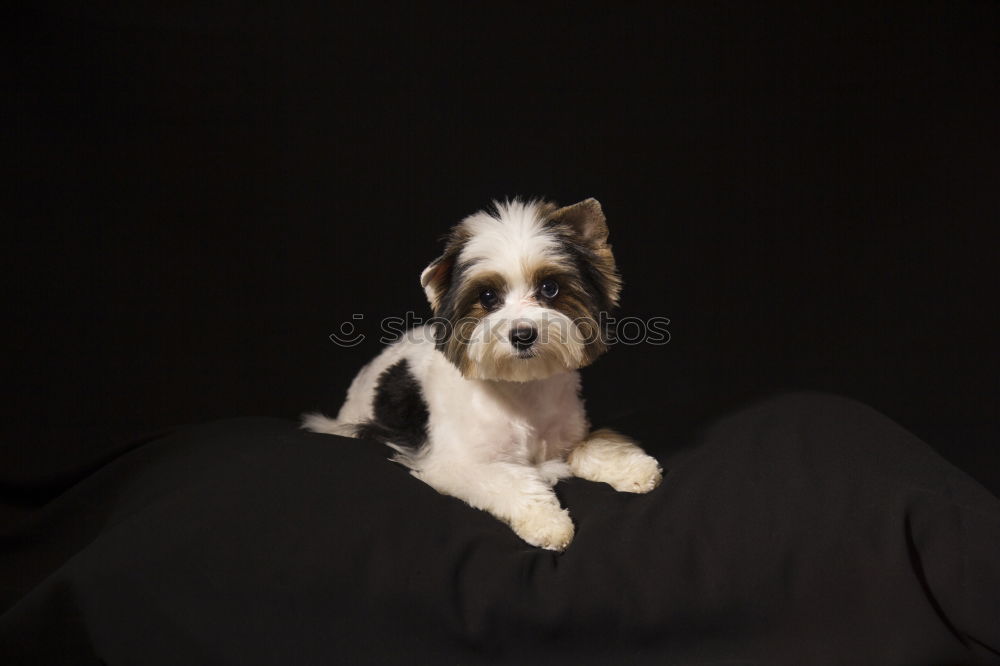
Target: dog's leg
516	494
613	458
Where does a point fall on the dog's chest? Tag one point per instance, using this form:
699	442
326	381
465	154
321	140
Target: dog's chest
533	421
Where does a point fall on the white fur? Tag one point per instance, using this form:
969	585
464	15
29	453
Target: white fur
507	241
500	438
612	458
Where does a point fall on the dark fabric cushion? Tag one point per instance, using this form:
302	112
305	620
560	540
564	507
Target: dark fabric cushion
801	529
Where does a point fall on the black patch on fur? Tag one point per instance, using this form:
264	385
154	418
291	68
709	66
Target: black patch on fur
400	412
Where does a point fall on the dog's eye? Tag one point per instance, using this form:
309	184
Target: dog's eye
489	298
548	289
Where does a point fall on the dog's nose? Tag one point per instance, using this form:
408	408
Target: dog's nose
523	337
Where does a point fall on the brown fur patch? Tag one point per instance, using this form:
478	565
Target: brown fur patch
463	310
593	261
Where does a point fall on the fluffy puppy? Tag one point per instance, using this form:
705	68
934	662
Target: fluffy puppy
483	403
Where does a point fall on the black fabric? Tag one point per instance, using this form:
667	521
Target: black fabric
803	528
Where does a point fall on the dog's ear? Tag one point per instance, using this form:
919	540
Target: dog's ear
586	219
437	276
587	223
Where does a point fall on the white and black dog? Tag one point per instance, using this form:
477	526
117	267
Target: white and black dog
483	403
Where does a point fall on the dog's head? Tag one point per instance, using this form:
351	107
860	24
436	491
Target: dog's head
519	292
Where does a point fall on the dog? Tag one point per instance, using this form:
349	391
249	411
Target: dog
483	402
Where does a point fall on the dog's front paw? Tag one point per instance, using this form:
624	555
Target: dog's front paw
640	474
546	527
632	472
612	458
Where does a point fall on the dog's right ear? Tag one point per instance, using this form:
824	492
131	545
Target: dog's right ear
437	276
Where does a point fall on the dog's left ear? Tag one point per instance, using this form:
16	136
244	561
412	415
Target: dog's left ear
587	219
588	224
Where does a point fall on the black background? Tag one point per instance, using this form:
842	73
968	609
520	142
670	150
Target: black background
200	194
